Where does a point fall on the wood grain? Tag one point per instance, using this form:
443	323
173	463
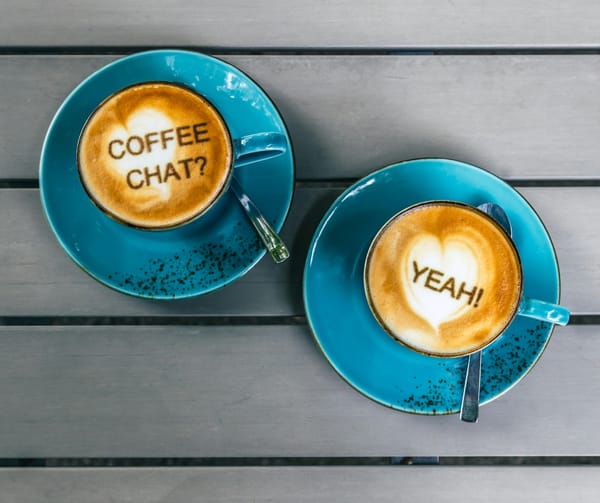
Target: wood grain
40	280
509	86
518	116
350	484
272	23
258	391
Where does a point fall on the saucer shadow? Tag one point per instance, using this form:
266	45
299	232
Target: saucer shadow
310	206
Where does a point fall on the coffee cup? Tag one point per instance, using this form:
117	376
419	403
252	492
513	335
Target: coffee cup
157	155
445	279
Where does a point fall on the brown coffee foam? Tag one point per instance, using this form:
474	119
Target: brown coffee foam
105	178
500	277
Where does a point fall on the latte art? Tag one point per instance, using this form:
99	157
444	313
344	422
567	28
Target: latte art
155	155
445	308
443	278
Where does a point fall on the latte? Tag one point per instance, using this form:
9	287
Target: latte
155	155
443	278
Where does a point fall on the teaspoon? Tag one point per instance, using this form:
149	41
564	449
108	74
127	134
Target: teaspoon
469	410
273	243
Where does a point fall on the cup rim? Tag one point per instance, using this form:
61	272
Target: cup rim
444	202
111	214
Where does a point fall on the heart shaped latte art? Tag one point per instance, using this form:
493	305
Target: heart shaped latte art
137	125
440	277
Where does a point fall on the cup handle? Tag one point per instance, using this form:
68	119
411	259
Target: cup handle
544	311
258	147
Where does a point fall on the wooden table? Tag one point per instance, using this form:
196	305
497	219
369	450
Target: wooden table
226	397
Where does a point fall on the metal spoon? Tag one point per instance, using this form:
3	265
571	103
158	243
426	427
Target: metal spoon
273	243
469	410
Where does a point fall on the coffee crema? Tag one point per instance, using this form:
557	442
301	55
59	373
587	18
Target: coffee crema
443	278
155	155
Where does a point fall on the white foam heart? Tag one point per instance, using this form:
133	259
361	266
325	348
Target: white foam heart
140	123
451	256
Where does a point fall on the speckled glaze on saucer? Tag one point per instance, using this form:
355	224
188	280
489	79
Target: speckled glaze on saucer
348	334
199	257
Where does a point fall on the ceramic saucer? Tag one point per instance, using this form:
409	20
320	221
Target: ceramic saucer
344	327
199	257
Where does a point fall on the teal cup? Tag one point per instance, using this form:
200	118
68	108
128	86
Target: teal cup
445	279
156	155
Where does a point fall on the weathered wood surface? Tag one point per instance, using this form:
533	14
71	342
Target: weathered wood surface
325	484
312	23
259	391
359	86
38	278
518	116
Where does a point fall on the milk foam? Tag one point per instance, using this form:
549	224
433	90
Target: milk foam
443	278
456	260
155	155
138	124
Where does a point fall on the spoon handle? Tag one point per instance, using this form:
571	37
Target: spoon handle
469	410
273	243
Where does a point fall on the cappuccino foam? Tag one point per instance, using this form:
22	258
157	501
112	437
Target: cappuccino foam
155	155
443	278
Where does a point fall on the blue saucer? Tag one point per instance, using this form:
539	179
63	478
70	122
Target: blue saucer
201	256
344	327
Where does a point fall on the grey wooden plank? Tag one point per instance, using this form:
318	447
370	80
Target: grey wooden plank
408	24
38	278
519	116
255	391
350	484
